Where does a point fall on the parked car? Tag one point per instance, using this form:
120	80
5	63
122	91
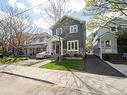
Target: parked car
43	55
1	55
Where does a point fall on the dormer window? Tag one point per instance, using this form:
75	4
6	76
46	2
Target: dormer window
73	28
108	43
59	31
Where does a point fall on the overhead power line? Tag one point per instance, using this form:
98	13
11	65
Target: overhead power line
26	10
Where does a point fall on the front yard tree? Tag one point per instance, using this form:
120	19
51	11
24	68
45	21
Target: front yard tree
13	27
103	11
89	40
122	40
53	11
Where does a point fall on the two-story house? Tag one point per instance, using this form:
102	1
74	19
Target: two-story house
36	43
68	37
105	40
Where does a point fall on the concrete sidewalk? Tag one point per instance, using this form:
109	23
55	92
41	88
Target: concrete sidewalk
90	83
120	67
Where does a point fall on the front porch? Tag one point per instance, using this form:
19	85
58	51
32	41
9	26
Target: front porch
55	45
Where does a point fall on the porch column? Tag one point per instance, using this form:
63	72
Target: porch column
49	48
61	47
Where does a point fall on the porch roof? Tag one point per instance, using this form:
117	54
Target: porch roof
54	38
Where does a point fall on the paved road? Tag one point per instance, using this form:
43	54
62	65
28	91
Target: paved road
96	66
14	85
88	83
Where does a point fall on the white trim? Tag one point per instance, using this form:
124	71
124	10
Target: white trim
59	30
115	28
123	25
74	45
72	29
109	43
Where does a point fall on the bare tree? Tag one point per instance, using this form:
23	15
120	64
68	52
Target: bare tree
14	25
53	11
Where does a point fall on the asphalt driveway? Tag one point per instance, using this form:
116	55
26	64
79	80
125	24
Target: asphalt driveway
95	65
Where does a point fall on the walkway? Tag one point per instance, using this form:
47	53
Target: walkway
88	83
95	65
120	67
45	61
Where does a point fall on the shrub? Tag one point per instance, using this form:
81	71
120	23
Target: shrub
77	55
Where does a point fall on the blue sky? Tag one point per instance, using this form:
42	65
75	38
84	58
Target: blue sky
76	5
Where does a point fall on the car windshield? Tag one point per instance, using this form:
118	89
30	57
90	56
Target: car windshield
42	53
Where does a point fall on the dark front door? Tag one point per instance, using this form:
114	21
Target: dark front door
57	48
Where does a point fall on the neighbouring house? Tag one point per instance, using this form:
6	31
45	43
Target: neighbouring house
68	37
105	40
36	43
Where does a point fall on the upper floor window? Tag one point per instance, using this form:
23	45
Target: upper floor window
59	31
114	29
124	26
73	28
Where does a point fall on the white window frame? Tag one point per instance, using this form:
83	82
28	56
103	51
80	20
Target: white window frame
74	45
123	25
72	28
109	43
61	31
115	29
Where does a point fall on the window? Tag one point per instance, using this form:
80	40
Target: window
59	31
124	26
73	28
108	43
113	29
72	45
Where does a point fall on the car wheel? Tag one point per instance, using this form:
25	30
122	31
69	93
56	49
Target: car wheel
44	56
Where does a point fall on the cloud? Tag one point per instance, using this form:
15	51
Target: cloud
41	23
77	5
20	5
14	3
36	2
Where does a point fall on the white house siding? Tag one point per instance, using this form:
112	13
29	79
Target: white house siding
113	41
100	32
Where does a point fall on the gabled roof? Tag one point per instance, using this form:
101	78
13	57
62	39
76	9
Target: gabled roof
107	33
55	38
80	20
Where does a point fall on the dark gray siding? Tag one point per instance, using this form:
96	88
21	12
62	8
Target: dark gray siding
80	35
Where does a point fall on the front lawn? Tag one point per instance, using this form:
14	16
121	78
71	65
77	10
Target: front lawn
12	59
69	65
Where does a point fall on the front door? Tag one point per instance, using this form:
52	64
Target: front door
57	49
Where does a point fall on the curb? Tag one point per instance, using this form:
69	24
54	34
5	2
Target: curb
28	77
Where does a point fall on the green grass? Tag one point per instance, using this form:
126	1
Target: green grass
12	59
69	65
